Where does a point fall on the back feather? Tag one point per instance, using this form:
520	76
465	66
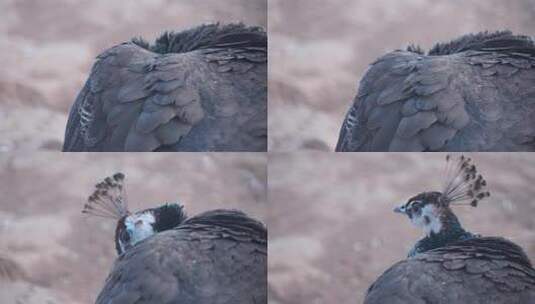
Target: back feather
206	36
499	41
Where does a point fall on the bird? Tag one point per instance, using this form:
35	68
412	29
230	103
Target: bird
164	256
450	264
201	89
474	93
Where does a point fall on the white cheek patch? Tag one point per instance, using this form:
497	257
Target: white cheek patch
140	226
427	220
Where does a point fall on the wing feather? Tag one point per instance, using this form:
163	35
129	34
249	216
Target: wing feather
467	101
138	100
213	258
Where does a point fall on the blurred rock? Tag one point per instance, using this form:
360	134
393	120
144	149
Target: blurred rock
31	128
10	271
15	289
27	293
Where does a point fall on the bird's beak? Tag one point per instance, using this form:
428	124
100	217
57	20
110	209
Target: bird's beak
399	209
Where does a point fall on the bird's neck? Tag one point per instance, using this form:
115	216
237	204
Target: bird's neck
450	226
451	231
168	216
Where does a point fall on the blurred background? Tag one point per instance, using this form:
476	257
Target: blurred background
51	253
332	230
319	50
47	48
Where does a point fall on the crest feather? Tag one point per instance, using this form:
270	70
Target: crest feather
463	182
109	198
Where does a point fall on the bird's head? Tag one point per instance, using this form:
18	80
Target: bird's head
424	211
133	228
431	212
109	201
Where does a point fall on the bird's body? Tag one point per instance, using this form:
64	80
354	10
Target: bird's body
218	257
451	265
482	270
204	89
472	94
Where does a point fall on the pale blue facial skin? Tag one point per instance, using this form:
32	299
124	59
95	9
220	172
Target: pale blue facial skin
139	227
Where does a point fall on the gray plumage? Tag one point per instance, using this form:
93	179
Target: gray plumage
218	257
475	93
204	89
484	270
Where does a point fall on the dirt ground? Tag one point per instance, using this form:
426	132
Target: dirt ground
319	50
47	48
64	257
332	230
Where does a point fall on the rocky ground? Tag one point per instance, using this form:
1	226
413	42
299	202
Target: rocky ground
51	253
319	50
332	231
47	49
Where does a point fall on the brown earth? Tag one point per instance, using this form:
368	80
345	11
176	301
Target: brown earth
64	257
332	231
319	50
47	48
